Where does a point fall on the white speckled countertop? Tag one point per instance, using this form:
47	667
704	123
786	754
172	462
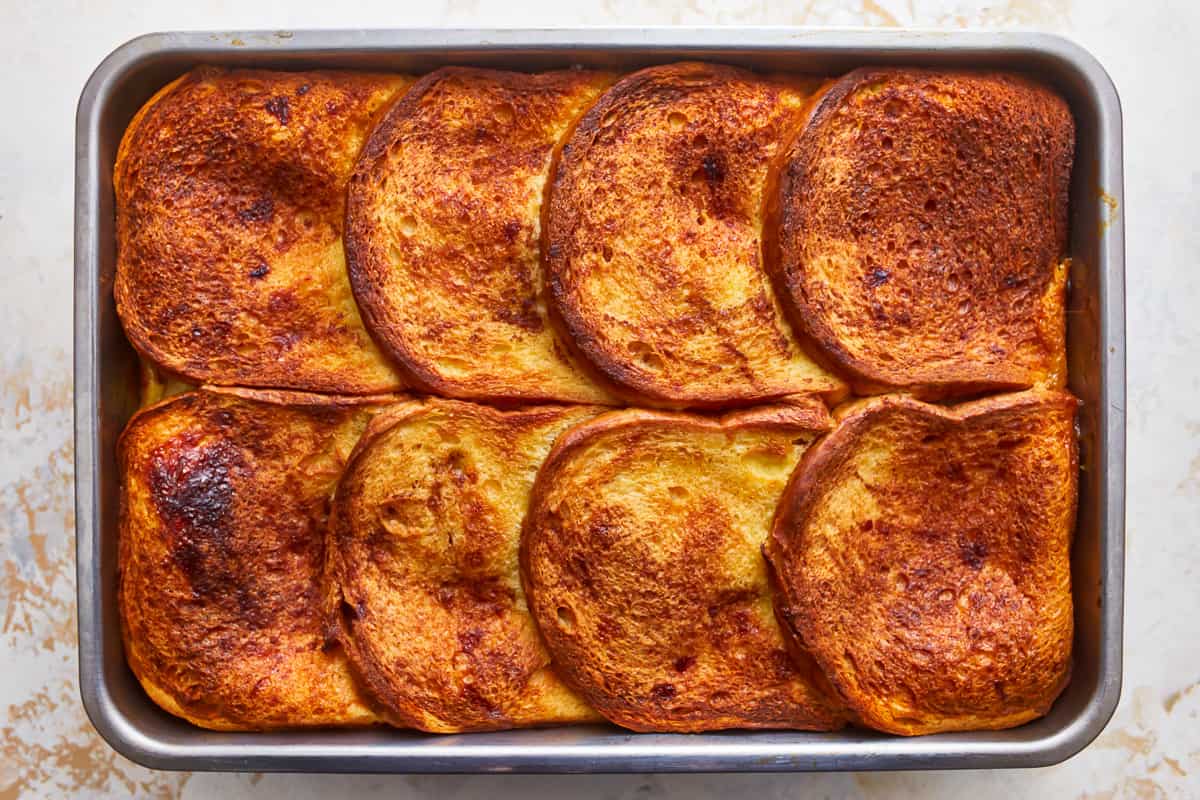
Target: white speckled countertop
1151	48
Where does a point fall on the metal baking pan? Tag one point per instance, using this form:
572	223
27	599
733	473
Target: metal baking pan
105	371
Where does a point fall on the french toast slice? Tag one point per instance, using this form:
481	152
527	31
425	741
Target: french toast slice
230	195
443	225
922	222
424	538
653	238
224	498
923	559
642	562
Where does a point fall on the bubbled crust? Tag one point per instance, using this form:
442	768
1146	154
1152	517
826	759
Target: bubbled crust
427	523
224	498
230	189
653	238
443	223
642	560
923	218
923	558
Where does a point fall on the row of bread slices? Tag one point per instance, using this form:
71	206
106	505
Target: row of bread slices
689	235
293	560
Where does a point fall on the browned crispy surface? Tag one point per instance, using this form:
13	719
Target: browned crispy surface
230	190
642	560
923	217
923	558
443	222
653	238
224	498
427	522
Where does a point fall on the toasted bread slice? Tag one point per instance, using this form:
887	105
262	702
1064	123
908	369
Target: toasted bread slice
230	190
653	241
224	497
443	222
922	225
923	557
427	522
642	561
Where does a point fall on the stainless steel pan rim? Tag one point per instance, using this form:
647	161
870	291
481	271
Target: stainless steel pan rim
132	725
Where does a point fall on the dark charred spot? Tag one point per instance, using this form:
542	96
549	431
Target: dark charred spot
525	316
223	418
260	271
469	640
867	524
878	277
714	170
279	108
303	89
192	489
260	211
684	663
355	611
554	251
511	229
1012	281
191	486
662	692
973	553
602	531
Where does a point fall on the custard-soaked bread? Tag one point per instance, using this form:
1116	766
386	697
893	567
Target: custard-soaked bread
427	522
654	238
224	497
444	216
922	554
230	189
642	559
923	218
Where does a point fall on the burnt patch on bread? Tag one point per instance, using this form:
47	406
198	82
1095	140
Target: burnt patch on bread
260	210
279	108
223	518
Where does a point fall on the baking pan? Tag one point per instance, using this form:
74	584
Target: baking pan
105	397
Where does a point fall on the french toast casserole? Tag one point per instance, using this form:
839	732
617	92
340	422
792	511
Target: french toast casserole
685	399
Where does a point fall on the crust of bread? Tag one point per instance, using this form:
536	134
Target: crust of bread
425	584
923	558
921	231
443	224
230	196
641	558
224	496
653	239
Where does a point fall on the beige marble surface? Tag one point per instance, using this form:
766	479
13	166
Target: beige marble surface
1151	48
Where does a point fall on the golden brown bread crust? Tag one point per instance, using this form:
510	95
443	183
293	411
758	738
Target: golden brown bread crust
425	532
230	190
224	497
642	562
923	218
922	554
653	238
442	228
